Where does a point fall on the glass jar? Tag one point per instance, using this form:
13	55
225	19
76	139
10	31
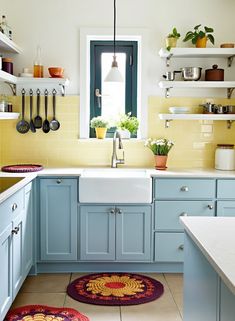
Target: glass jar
225	157
7	65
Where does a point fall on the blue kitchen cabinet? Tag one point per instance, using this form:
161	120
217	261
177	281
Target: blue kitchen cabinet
15	251
115	233
58	219
174	198
227	304
226	208
5	270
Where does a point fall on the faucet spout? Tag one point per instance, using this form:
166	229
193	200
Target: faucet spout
115	159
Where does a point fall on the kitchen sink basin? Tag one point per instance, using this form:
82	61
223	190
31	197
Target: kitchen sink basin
115	185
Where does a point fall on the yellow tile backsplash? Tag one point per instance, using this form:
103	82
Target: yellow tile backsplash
195	141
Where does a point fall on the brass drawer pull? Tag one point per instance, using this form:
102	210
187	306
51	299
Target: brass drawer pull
181	247
14	207
184	189
59	181
118	211
112	211
210	207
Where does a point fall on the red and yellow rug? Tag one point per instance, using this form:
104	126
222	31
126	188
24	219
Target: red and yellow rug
115	289
44	313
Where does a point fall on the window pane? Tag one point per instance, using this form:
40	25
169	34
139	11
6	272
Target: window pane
113	93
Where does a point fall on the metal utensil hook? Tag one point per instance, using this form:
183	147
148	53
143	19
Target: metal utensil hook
54	92
38	91
46	92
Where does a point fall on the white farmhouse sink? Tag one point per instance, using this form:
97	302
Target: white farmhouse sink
115	185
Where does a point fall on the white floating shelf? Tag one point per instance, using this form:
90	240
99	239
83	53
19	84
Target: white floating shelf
197	52
197	84
8	115
42	81
197	116
8	45
230	118
5	76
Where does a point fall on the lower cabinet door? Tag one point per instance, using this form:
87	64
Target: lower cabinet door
133	233
17	254
227	304
97	233
169	247
58	219
226	208
5	271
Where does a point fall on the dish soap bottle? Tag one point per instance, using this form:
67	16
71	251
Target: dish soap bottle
38	67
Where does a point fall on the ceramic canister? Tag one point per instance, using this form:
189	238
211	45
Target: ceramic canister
225	157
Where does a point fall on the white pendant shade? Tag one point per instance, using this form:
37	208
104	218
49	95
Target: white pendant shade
114	75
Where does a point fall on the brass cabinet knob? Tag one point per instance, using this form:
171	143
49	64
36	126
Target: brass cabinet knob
59	181
112	211
184	189
181	247
16	230
210	207
118	211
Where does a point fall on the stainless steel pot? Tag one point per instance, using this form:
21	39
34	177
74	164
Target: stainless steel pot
191	73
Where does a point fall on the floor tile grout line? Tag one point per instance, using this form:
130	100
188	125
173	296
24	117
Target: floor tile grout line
70	278
168	284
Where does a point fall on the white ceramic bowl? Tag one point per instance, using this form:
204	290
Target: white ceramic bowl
178	110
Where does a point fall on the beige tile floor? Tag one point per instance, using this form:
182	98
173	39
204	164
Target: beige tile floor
50	289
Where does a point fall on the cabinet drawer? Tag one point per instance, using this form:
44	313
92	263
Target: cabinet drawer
167	213
169	247
184	188
10	208
226	188
226	208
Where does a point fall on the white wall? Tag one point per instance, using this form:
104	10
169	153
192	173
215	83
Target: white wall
55	24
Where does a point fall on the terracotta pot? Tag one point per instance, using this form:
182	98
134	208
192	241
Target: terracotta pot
201	42
160	162
100	132
171	42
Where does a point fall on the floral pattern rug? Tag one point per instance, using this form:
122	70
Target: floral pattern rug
115	289
44	313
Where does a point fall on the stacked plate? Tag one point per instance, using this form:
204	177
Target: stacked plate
178	110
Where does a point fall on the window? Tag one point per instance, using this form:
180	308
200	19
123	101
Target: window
111	99
128	35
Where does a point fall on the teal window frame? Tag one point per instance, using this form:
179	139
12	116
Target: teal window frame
96	50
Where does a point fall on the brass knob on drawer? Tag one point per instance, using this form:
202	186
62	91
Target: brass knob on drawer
181	247
184	189
184	214
59	181
118	211
210	207
112	211
14	207
16	230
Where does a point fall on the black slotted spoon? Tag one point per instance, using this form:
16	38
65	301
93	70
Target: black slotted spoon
38	118
46	124
23	126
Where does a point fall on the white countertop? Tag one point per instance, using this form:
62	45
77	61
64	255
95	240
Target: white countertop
218	246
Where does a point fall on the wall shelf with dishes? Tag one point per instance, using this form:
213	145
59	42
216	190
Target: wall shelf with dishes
17	83
230	118
226	53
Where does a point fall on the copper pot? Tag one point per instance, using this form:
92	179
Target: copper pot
215	74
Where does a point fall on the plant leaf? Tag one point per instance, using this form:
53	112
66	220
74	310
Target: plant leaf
196	27
211	38
194	40
168	48
189	35
208	29
201	34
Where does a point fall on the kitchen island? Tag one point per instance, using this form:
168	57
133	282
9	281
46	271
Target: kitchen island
209	269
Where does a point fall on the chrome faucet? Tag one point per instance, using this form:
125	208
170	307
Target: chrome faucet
116	160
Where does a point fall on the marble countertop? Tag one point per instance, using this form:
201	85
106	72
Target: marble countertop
217	246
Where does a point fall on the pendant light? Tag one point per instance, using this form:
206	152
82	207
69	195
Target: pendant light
114	74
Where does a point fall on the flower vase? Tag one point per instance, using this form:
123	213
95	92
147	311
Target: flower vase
160	162
100	132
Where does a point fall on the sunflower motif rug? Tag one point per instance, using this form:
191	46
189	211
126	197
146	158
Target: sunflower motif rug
115	289
44	313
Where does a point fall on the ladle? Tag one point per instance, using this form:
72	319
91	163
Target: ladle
23	126
54	123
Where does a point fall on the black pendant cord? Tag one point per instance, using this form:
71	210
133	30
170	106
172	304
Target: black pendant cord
114	28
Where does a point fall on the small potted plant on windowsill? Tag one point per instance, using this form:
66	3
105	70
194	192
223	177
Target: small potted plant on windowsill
171	39
127	125
199	37
160	149
101	125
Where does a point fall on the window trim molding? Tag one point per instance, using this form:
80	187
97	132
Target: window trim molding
91	34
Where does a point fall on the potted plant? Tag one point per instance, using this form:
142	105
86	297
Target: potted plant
160	149
127	125
101	125
199	37
171	39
